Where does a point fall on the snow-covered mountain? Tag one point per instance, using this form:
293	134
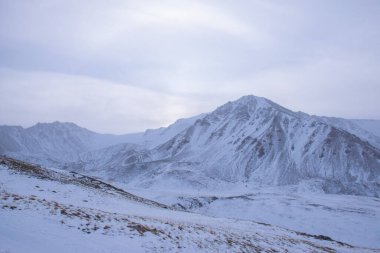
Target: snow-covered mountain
54	143
249	142
50	141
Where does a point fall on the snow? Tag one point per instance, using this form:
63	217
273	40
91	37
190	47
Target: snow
41	215
356	219
29	231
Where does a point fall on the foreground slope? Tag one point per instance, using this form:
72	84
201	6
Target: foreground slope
45	211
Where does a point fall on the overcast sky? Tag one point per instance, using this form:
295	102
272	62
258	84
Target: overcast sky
122	66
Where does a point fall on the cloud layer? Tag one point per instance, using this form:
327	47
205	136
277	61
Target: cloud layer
122	66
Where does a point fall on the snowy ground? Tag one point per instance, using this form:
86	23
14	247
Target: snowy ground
42	212
351	219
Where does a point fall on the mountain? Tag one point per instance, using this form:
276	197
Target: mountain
54	143
50	141
250	142
46	210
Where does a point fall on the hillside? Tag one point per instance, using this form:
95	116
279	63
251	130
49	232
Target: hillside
45	206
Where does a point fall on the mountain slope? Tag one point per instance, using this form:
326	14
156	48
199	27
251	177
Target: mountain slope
47	209
367	130
372	126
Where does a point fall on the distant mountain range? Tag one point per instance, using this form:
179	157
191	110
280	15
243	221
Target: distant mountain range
249	142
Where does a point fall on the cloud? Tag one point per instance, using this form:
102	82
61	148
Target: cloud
97	104
88	26
319	56
341	87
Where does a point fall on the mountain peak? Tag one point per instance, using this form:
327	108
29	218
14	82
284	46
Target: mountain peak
250	99
257	102
249	105
56	124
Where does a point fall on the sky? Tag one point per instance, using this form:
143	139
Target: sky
123	66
